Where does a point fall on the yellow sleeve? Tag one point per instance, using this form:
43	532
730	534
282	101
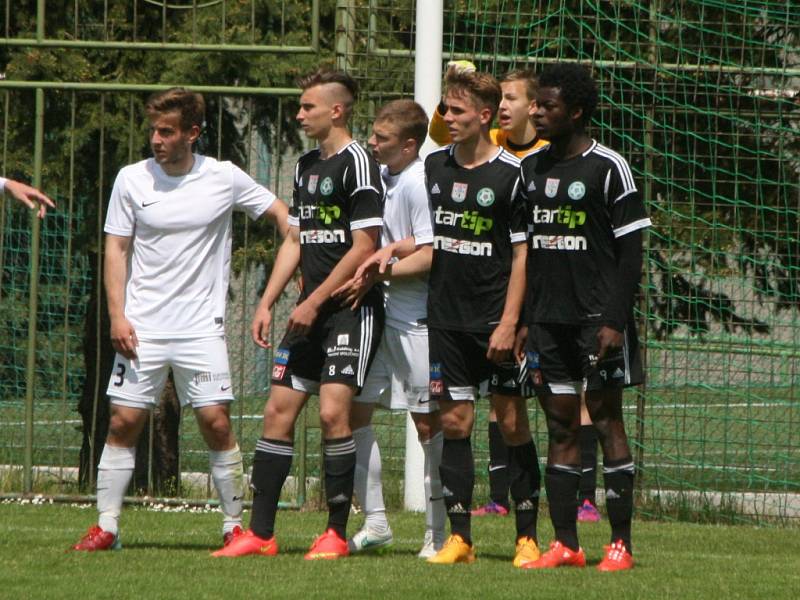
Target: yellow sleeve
438	129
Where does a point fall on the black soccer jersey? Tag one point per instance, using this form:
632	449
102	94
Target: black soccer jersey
576	208
477	216
332	198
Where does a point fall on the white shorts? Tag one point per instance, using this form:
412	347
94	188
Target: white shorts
398	377
199	365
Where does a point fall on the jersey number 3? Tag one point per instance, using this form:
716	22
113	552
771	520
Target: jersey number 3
120	374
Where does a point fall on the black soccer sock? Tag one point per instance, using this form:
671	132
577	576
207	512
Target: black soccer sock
618	478
271	465
523	466
588	485
498	466
561	483
458	478
340	466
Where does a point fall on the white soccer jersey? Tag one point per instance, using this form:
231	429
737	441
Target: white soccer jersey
181	248
406	213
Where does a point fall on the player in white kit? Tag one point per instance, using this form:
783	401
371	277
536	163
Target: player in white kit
398	378
167	266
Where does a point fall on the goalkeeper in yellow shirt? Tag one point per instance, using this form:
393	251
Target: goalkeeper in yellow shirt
515	132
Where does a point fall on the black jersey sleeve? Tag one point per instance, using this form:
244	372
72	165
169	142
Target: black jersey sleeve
364	188
623	199
294	214
518	216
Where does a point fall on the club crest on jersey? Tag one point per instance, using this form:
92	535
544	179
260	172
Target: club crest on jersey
312	183
551	187
485	196
326	187
459	193
576	190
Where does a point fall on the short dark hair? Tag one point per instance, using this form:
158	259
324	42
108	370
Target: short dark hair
408	116
190	105
578	88
323	76
481	87
527	76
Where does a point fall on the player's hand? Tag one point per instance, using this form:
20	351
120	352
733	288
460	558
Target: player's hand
608	339
461	66
123	337
351	293
519	343
259	330
378	261
302	317
29	196
501	343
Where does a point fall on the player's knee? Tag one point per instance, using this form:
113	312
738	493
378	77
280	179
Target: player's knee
217	432
333	422
561	433
122	429
455	426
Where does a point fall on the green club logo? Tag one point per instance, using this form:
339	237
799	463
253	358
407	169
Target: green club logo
576	190
326	187
485	196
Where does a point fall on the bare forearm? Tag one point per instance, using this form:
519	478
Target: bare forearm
115	270
285	266
515	295
416	264
340	274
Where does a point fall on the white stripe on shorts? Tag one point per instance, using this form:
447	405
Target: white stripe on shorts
366	344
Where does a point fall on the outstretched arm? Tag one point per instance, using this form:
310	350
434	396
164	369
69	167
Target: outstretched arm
29	196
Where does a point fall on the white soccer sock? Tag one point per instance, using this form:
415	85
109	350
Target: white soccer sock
367	483
435	514
228	475
114	474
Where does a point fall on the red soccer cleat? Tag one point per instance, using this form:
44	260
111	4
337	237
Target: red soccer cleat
490	508
229	536
328	546
97	539
248	543
558	556
617	558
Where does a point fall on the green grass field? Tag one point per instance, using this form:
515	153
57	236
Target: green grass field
166	555
736	439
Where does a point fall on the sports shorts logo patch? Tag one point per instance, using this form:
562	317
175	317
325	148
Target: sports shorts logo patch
312	183
281	356
485	196
348	370
551	187
436	386
459	193
342	339
576	190
278	371
326	187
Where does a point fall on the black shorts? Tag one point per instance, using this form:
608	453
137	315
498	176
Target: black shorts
562	359
339	348
461	371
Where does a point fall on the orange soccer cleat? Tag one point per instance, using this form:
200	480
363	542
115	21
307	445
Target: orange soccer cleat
328	546
617	558
248	543
558	556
